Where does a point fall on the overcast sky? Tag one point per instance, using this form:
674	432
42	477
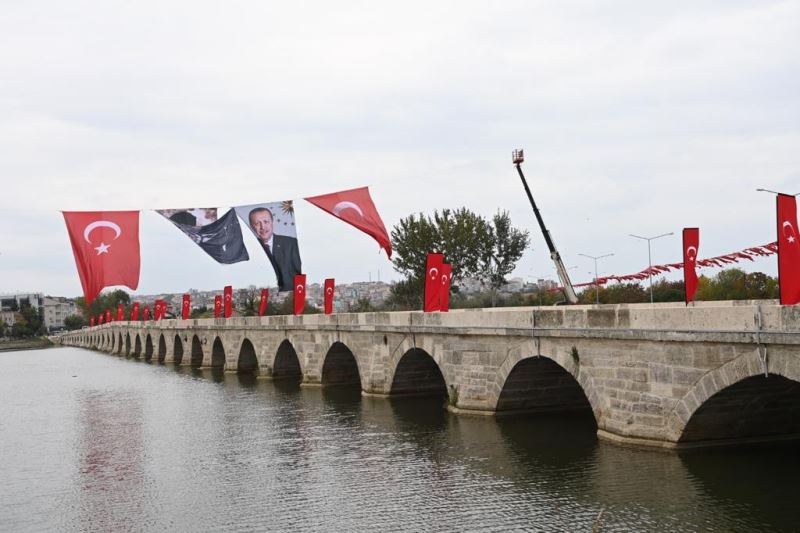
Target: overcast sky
636	117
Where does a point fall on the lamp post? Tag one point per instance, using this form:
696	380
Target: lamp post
776	192
650	258
596	285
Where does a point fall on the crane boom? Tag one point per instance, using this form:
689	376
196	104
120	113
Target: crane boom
561	270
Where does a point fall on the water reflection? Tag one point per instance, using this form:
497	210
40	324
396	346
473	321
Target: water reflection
164	448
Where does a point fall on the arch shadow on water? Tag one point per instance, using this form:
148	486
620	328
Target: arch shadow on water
417	374
137	346
340	368
754	407
177	350
162	349
127	345
197	352
118	347
148	348
218	354
287	364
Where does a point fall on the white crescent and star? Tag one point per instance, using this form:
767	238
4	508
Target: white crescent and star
444	279
434	272
87	231
792	236
329	290
690	255
341	206
299	288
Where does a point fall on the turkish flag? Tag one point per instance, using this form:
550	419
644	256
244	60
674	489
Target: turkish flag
101	318
91	321
157	310
108	315
788	250
299	293
262	305
329	290
120	313
217	306
146	313
228	291
106	249
444	290
135	312
186	306
356	208
433	282
691	243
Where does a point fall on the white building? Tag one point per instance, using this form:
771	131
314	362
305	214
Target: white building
56	310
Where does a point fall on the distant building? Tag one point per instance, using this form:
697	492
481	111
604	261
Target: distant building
56	310
53	310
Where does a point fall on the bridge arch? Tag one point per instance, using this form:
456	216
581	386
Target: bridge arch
162	348
248	362
137	346
418	374
737	401
177	350
286	364
539	384
148	348
197	352
217	354
340	366
119	348
127	344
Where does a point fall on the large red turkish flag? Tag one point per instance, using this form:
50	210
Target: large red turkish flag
262	305
106	249
217	306
186	306
135	312
433	282
329	290
120	313
356	208
228	305
691	243
299	293
146	312
788	250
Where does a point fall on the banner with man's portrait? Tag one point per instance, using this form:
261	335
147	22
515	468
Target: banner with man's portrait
273	224
221	238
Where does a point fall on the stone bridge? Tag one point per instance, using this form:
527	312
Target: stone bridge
664	375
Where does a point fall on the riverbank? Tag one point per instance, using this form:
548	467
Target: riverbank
35	343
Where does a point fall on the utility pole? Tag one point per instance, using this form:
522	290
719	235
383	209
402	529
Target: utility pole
596	285
650	257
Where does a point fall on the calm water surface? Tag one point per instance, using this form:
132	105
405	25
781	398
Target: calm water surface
92	442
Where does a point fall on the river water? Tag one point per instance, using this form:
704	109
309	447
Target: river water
93	442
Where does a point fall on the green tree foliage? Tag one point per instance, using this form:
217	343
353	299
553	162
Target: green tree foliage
474	247
74	322
108	300
3	328
247	301
362	305
27	322
202	312
505	248
735	284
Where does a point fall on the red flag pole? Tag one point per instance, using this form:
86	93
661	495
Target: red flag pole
444	290
330	288
433	282
228	291
299	293
217	306
262	305
691	243
788	250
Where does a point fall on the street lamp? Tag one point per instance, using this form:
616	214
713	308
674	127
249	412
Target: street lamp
596	285
650	258
776	192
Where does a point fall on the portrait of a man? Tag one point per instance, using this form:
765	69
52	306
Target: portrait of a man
274	227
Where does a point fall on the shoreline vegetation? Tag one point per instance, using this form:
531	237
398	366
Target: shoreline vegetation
33	343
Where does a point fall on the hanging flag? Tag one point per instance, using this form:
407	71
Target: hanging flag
106	249
108	316
157	310
228	291
91	321
355	207
444	290
146	315
691	243
433	282
120	313
273	224
299	293
186	306
101	318
217	306
220	238
135	312
330	285
262	305
788	250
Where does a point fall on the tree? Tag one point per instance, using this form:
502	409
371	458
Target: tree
74	322
247	301
3	328
506	245
108	300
